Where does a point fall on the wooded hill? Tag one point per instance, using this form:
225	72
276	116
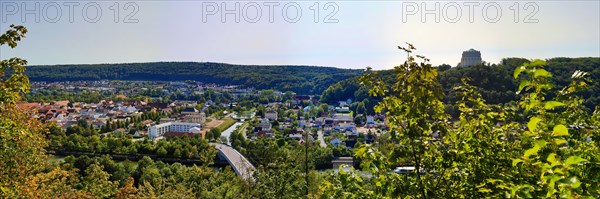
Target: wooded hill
299	79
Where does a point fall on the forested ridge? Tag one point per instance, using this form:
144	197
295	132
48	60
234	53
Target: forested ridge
299	79
494	81
335	84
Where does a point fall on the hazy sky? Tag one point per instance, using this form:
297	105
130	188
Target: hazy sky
359	33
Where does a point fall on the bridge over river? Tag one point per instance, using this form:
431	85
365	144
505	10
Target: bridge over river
238	162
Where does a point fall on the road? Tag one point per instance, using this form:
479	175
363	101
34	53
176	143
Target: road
321	138
228	131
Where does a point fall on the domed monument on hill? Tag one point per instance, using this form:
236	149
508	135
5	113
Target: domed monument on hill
470	57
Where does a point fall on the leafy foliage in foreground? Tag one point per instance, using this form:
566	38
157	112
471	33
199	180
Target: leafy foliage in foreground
487	153
494	82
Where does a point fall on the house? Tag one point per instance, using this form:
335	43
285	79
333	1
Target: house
158	105
349	161
129	109
301	123
329	122
296	136
166	120
301	98
99	123
344	109
300	137
306	109
342	118
347	126
351	133
120	130
265	133
264	124
189	111
336	142
271	115
199	118
298	131
370	120
317	124
60	104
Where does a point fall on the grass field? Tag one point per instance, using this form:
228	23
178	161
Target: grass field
227	122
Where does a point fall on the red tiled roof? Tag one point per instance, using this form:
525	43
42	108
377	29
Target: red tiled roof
61	103
179	134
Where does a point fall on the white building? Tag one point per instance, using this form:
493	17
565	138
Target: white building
195	130
264	124
177	127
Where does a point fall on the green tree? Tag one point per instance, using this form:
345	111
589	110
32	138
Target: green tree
489	153
177	153
22	138
558	159
96	181
215	133
161	151
13	87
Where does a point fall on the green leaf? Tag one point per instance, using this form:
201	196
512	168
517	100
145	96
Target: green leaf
573	181
484	190
560	141
523	84
378	184
516	161
531	151
574	160
560	130
551	158
537	62
541	73
549	105
533	122
518	71
540	143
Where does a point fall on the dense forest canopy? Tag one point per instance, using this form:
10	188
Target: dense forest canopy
299	79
